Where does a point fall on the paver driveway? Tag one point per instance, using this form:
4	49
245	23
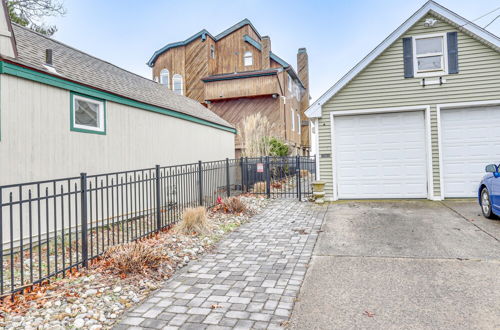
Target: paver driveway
403	265
249	282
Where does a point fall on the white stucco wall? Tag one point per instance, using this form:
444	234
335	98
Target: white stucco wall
36	142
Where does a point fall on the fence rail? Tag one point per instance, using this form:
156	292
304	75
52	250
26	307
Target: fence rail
50	227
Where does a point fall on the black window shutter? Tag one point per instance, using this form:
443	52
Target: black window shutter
408	57
452	52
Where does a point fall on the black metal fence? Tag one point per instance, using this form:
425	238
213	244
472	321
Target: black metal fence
50	227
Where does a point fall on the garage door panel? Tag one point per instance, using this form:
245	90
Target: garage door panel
381	155
470	141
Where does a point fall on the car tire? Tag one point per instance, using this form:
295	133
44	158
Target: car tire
486	204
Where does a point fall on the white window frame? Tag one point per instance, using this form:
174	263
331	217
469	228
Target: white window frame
298	124
289	83
444	56
101	114
165	72
212	51
293	119
178	76
247	57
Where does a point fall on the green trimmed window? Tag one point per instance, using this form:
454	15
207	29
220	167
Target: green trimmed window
88	114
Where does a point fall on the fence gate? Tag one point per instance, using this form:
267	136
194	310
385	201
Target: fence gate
285	177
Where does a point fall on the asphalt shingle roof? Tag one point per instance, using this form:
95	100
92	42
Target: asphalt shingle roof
78	66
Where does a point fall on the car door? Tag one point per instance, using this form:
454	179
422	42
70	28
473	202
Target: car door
495	190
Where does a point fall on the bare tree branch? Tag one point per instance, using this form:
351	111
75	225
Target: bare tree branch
31	13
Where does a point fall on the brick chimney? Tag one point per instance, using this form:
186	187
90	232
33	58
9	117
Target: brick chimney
266	52
303	72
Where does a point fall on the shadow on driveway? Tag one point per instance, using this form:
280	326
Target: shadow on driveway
403	265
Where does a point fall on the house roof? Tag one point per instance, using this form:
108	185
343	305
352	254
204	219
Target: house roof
202	34
432	7
77	66
275	58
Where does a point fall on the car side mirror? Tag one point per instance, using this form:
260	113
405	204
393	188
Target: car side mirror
492	168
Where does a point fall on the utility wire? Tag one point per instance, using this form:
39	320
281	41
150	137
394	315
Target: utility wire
492	11
491	22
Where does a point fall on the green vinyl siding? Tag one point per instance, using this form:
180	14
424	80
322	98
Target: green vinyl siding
382	85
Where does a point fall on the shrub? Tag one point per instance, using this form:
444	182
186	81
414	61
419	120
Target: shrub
135	257
278	148
194	220
259	187
234	205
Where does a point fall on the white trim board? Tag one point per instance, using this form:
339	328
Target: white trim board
314	110
427	119
446	106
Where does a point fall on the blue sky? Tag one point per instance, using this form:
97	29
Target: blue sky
337	34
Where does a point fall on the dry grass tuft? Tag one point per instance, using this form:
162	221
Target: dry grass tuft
194	220
234	205
259	187
304	173
134	258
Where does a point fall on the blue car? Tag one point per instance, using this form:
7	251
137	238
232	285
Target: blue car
489	192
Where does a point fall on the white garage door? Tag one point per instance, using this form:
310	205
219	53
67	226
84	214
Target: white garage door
381	155
470	141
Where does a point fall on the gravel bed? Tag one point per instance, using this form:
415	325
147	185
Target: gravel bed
96	298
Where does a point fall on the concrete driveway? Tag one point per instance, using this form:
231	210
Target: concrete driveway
403	265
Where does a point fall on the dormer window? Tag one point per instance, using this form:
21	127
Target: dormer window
212	51
248	59
429	54
165	78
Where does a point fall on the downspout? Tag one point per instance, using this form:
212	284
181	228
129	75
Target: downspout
284	103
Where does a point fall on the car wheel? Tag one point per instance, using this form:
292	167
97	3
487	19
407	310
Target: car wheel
486	204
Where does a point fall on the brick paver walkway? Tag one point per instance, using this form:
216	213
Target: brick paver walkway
249	282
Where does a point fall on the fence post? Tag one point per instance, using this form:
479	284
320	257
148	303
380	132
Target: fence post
200	178
83	200
299	188
246	174
158	199
268	178
242	175
228	179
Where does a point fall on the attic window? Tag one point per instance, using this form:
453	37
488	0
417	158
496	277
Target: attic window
429	54
178	84
212	51
248	59
165	78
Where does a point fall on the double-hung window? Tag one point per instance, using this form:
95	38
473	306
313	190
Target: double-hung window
248	59
298	124
178	84
293	119
429	54
88	114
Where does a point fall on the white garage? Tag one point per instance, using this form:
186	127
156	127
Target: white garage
470	139
381	155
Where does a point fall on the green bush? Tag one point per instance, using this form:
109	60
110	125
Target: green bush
278	148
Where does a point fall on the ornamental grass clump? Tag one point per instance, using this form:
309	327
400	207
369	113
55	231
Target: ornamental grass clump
304	173
259	187
134	258
234	205
194	221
